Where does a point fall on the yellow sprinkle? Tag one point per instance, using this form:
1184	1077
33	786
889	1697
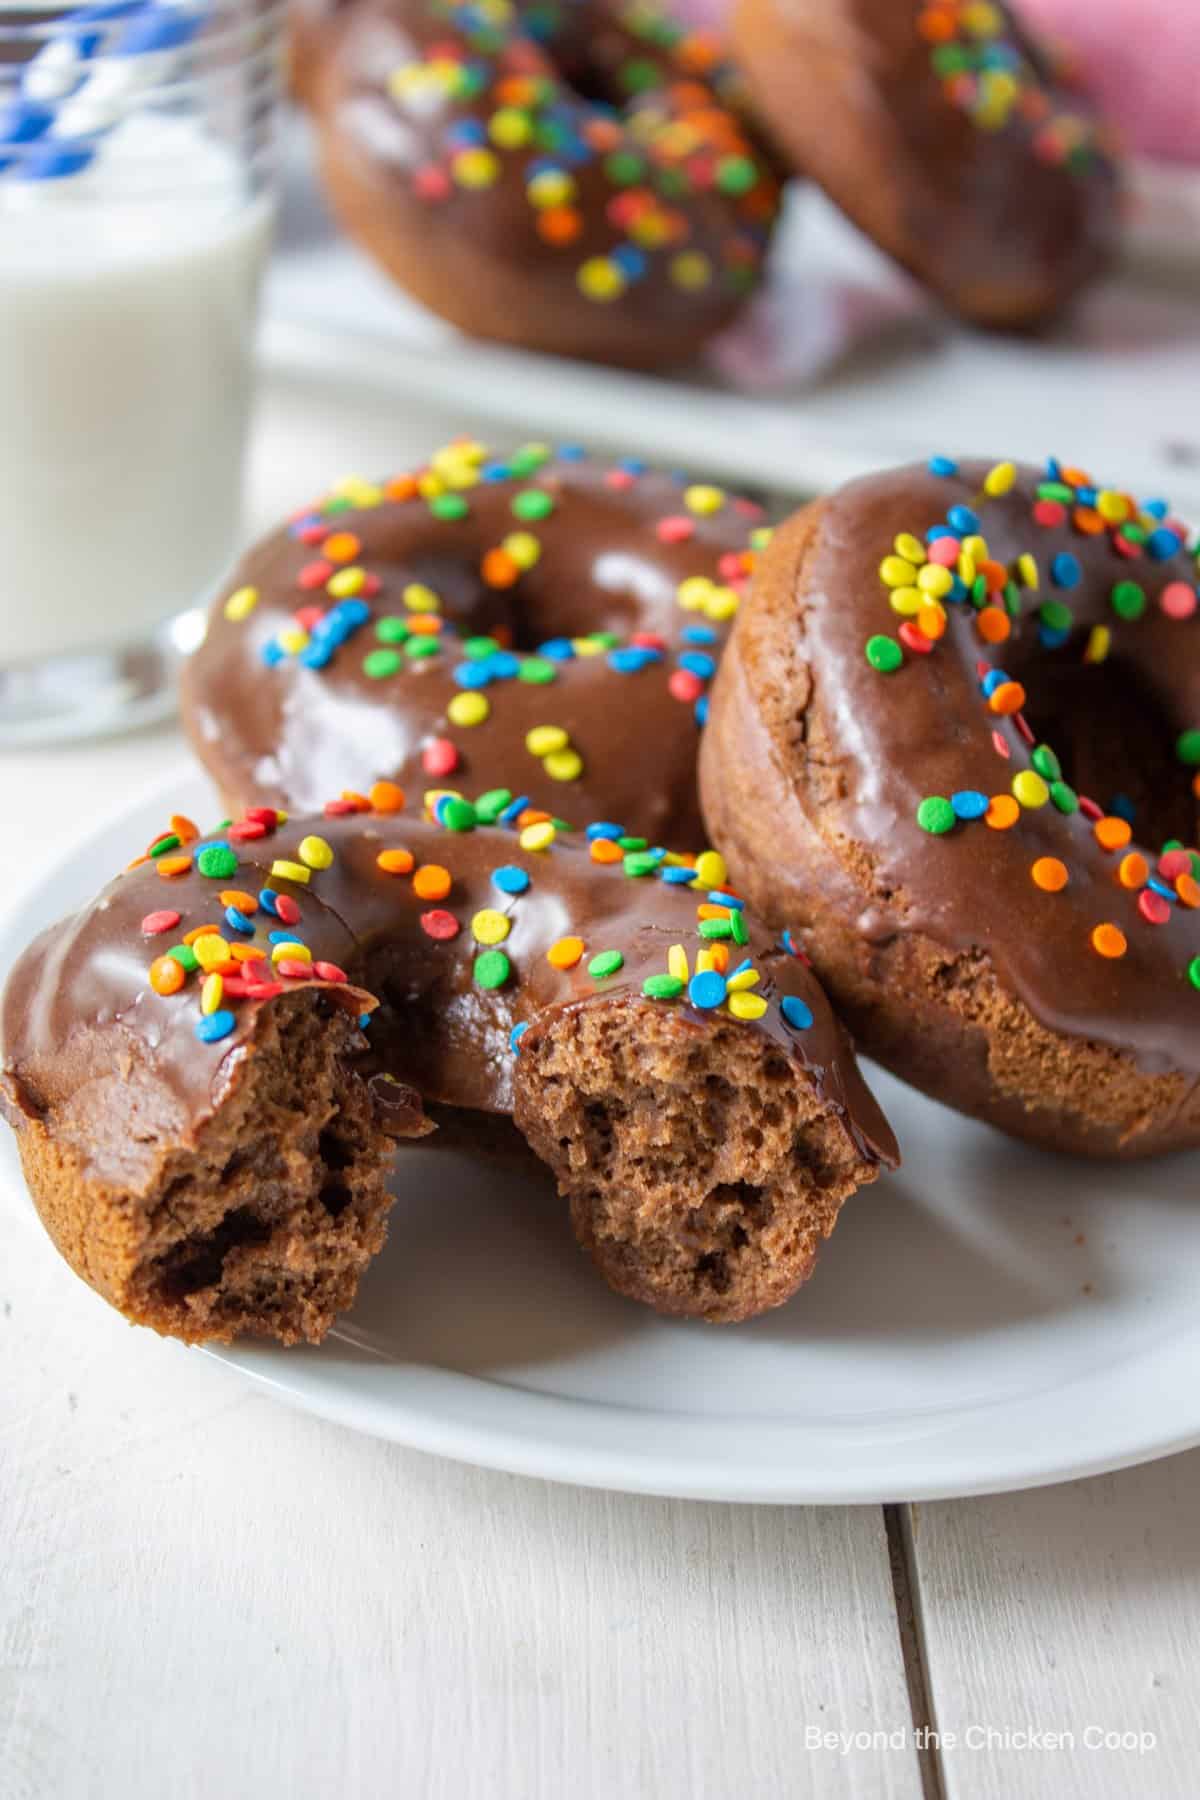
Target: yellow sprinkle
293	640
523	547
510	128
1112	507
907	601
543	740
462	450
910	548
1098	643
210	950
537	837
747	1006
1030	789
212	993
704	961
722	603
690	270
675	860
587	646
552	187
898	571
599	278
346	583
693	593
1027	569
701	499
563	765
476	168
430	484
315	852
677	962
976	548
934	579
710	870
966	568
419	598
747	979
468	709
290	951
289	871
490	927
431	796
241	604
1000	480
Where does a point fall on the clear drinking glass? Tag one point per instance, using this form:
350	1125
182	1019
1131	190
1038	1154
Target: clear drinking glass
137	152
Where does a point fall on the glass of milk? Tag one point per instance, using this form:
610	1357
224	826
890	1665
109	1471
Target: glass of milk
136	176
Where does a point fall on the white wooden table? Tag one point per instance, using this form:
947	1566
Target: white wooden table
203	1594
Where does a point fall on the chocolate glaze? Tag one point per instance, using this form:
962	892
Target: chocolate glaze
80	999
1001	234
476	254
927	730
291	736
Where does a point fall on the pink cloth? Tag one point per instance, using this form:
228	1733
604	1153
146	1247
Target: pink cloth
1139	58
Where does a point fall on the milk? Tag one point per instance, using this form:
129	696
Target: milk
127	301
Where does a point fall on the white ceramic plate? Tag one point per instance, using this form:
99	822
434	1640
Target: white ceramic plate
844	369
992	1317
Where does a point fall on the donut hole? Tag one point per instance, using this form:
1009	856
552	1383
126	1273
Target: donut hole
702	1168
1116	743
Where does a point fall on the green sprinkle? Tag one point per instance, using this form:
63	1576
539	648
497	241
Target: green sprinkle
738	923
422	646
341	503
185	956
1046	763
448	506
492	969
1187	748
379	664
1056	490
639	76
458	815
637	863
736	175
607	963
1194	971
218	861
607	640
529	459
1064	797
669	987
489	806
623	168
534	503
163	844
538	669
476	648
1056	615
1128	600
715	928
884	654
935	814
391	630
631	843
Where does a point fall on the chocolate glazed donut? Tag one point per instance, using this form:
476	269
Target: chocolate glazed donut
946	134
951	692
567	176
425	627
206	1068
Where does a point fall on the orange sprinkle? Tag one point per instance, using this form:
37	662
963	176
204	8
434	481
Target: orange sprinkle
243	953
936	26
560	224
1196	784
604	850
394	862
532	815
1077	478
706	910
341	547
1112	833
565	953
1009	697
431	882
1087	520
184	830
1108	941
720	957
199	931
1134	871
356	800
1050	874
166	975
173	865
401	487
993	624
386	797
994	574
424	624
245	903
932	621
1003	811
1188	889
499	569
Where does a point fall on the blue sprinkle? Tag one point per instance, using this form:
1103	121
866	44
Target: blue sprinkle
24	121
101	11
992	680
742	967
572	453
504	665
557	650
942	465
473	674
1160	887
940	531
962	519
958	591
316	656
1065	571
707	989
55	159
156	28
701	710
699	634
630	260
1158	509
1122	807
510	879
796	1013
495	471
237	921
676	876
1162	544
214	1027
789	942
969	803
515	1036
1087	496
697	663
1053	469
289	936
266	899
718	898
466	131
1052	637
514	809
632	658
603	828
364	1019
271	653
633	465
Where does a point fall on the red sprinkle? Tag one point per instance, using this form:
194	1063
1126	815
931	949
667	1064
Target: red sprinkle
1000	745
263	815
1178	600
945	551
431	183
1173	863
308	616
648	640
286	909
1089	809
312	535
620	479
1022	725
675	529
314	574
913	638
1126	546
155	922
339	809
294	971
439	757
246	831
1050	513
683	685
371	586
329	972
1152	906
440	924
